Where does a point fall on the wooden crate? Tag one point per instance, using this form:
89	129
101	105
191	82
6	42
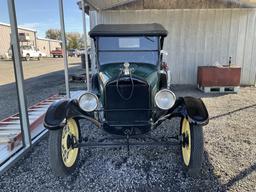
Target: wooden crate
212	76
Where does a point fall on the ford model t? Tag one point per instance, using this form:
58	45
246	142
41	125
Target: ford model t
129	98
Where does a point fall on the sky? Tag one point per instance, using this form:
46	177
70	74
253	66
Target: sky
44	14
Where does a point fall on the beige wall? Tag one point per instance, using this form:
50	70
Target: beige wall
44	45
47	45
54	45
5	40
200	37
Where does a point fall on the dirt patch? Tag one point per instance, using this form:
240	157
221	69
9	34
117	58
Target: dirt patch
34	68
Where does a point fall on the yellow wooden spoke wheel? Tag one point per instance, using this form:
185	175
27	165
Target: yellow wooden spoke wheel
191	146
70	134
186	141
63	155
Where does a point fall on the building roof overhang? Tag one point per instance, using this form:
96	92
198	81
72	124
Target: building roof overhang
100	5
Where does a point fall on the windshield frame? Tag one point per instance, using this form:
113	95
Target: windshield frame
98	50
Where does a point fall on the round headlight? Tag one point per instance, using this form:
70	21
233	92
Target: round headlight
165	99
88	102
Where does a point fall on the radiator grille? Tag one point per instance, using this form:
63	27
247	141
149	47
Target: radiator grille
122	111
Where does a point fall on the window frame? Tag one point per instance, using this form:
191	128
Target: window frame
98	50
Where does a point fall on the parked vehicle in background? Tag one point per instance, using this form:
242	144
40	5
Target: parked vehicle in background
27	52
72	52
81	51
58	52
42	54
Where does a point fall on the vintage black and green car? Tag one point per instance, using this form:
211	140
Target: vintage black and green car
128	99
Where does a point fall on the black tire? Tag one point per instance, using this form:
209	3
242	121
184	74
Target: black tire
39	57
55	154
197	147
27	58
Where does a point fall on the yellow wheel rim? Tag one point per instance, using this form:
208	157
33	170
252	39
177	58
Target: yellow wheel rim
186	141
70	131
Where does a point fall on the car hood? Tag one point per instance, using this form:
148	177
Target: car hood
146	72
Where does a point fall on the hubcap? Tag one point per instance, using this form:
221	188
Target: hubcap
70	135
186	141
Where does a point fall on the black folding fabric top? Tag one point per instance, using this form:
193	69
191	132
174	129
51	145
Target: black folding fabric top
128	30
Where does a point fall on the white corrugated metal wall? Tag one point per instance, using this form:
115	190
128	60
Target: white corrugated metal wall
200	37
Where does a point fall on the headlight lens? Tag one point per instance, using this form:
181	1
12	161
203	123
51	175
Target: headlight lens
165	99
88	102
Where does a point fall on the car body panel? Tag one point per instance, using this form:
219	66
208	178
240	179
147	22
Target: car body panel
127	90
57	52
58	113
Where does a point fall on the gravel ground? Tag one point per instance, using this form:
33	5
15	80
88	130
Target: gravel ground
229	156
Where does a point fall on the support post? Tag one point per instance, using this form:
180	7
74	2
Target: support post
64	46
93	23
15	45
85	47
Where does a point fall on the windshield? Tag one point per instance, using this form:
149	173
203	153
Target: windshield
142	49
25	47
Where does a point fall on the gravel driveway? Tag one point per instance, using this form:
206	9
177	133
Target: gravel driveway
229	157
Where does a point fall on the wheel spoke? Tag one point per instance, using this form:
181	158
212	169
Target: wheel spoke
64	132
67	154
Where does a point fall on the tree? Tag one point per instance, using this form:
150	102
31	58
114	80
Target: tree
81	41
53	34
73	39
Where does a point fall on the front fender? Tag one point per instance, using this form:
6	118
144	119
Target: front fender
196	110
60	111
190	107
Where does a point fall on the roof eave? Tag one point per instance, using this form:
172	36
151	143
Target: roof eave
91	5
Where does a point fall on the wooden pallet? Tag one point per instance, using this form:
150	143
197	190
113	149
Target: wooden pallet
10	128
218	89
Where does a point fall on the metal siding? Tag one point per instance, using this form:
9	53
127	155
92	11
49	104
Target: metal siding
248	47
253	62
241	38
234	32
47	45
200	37
192	50
43	46
200	45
